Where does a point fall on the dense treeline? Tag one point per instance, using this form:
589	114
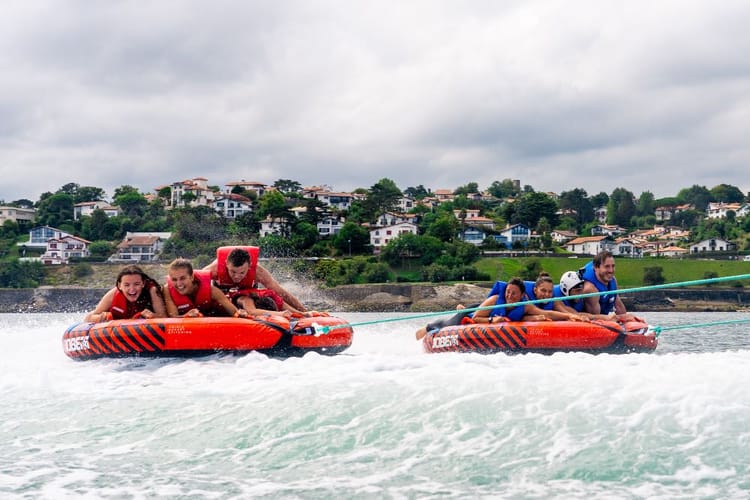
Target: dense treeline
437	253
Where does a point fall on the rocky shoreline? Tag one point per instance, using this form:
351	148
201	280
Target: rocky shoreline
386	298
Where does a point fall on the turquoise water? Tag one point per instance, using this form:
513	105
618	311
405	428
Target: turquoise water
382	420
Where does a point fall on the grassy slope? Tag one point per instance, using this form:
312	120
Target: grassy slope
629	271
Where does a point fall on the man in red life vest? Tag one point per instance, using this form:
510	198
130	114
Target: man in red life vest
237	273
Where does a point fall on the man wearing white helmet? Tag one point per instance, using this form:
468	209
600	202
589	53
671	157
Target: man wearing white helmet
571	284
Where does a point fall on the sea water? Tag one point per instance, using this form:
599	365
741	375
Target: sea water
381	420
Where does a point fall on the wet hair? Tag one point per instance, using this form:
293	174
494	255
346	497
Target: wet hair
518	282
181	263
601	257
238	257
543	277
132	270
266	303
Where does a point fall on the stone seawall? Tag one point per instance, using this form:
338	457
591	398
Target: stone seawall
387	298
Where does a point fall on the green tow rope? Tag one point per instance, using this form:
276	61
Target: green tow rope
326	329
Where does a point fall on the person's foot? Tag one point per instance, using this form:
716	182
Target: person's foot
421	333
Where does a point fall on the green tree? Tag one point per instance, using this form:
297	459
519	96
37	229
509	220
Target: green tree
599	200
17	274
646	204
55	210
417	192
621	207
444	227
287	186
578	205
727	193
504	189
132	204
530	208
89	193
469	188
698	196
101	249
352	239
653	275
304	236
410	246
382	197
93	227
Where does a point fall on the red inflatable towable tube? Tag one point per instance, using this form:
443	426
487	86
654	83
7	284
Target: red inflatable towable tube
544	337
272	335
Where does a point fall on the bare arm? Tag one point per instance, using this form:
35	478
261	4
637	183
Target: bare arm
592	303
103	306
212	268
169	303
157	302
264	277
218	296
483	315
534	313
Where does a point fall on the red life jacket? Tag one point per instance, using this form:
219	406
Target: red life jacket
222	275
199	299
122	308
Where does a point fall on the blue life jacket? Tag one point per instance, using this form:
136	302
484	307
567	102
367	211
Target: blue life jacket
515	313
548	306
577	304
606	301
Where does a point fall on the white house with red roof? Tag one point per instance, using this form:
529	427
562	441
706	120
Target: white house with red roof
140	247
61	249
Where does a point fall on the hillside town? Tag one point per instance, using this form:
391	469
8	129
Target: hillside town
404	213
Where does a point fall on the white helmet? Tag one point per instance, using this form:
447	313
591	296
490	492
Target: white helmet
569	281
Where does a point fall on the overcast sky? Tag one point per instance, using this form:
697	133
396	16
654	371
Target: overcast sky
645	95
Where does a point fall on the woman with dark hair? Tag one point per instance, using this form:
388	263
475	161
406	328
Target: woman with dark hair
135	295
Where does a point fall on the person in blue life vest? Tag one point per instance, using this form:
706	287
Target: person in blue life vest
191	294
544	288
599	276
514	291
135	295
571	284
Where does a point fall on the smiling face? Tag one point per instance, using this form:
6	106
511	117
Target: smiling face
606	270
237	273
544	290
131	285
512	294
182	280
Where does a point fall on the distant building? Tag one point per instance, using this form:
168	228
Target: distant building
516	233
256	187
61	250
232	205
191	193
712	245
381	236
87	208
140	247
16	214
590	245
40	235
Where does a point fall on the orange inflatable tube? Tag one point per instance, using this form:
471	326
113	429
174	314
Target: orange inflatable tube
273	335
544	337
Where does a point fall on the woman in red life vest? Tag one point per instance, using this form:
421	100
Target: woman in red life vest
190	293
135	295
